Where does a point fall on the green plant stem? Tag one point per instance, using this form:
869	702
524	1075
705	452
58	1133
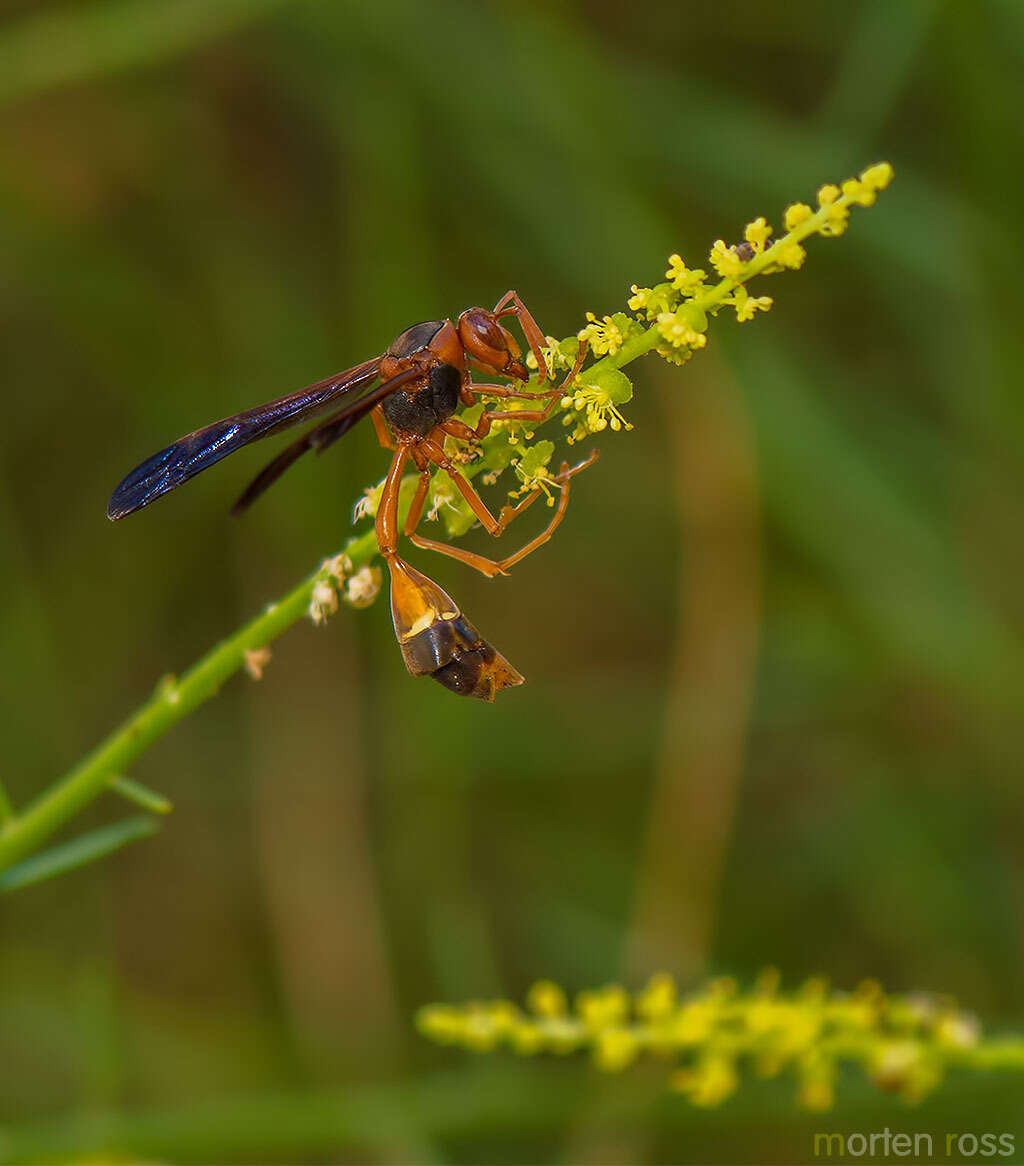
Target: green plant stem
170	703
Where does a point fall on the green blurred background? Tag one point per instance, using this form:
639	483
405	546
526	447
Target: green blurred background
773	711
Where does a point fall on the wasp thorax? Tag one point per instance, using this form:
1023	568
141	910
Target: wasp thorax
438	641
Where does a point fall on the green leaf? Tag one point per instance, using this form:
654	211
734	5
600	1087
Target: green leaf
146	799
534	459
56	47
610	380
79	851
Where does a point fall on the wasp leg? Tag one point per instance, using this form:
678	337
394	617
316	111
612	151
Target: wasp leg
380	427
386	524
533	334
539	416
496	526
412	519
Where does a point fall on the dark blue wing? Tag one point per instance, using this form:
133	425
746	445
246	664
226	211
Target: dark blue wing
205	447
320	437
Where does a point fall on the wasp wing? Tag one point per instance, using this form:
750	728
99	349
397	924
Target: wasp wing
205	447
320	437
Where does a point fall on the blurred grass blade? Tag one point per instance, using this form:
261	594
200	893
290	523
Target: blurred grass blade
885	46
147	799
6	809
55	48
79	851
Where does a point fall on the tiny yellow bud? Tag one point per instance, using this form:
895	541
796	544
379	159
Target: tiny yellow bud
724	260
791	255
757	232
546	998
796	214
615	1049
877	177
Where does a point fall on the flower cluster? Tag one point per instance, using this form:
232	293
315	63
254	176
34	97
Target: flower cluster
670	318
904	1044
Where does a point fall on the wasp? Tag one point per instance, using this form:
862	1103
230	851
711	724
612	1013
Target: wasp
412	393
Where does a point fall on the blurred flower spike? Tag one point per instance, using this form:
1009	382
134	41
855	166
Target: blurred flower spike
904	1044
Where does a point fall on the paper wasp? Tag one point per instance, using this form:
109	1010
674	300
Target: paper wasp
424	377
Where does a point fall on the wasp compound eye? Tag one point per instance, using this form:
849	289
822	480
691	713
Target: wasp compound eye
438	641
489	344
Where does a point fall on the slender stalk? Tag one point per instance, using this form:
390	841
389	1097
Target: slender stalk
170	703
132	791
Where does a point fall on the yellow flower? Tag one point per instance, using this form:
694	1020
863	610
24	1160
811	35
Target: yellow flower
678	330
658	1000
615	1049
547	999
591	410
796	214
638	300
725	260
604	336
904	1044
827	194
672	355
877	177
652	300
710	1082
604	1007
747	306
790	255
756	233
837	218
681	277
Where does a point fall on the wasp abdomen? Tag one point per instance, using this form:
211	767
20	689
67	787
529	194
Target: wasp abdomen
453	653
438	641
